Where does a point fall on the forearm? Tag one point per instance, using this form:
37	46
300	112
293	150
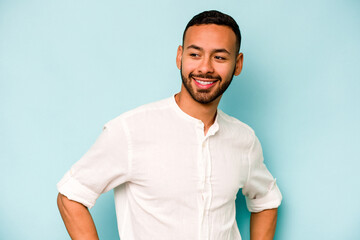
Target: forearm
263	224
77	219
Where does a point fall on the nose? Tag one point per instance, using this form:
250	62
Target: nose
205	66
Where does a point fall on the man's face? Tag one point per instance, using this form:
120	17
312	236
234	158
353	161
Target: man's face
208	60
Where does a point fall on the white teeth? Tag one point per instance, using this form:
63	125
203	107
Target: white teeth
203	82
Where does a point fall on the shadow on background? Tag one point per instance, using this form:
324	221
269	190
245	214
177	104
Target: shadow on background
242	216
104	216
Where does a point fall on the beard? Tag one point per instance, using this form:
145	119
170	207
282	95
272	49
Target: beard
205	96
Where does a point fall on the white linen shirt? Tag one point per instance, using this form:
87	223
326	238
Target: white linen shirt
171	181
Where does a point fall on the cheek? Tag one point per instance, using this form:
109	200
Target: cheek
187	67
226	71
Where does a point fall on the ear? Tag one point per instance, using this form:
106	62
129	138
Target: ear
239	64
179	57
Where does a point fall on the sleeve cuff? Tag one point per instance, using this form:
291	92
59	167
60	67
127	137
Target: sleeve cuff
271	200
75	191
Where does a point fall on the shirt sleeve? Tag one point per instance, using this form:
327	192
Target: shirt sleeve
102	168
260	191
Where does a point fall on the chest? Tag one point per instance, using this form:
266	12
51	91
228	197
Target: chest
171	167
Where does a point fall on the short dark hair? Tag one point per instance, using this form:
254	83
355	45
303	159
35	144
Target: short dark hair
218	18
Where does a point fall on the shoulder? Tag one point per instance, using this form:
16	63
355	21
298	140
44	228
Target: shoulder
234	122
142	113
236	129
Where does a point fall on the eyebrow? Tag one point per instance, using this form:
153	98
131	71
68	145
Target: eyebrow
219	50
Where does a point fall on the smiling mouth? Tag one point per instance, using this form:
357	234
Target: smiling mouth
204	83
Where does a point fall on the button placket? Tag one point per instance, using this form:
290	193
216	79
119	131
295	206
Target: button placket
206	190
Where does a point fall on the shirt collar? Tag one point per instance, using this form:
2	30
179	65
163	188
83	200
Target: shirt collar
212	130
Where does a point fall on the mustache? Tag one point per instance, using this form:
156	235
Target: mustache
208	76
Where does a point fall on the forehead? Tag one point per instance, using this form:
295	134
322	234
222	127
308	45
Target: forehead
211	36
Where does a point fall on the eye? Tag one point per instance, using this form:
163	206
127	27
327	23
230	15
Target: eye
220	58
194	55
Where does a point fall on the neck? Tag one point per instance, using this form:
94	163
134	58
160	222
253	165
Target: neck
204	112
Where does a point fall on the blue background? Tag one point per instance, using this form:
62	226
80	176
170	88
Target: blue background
67	67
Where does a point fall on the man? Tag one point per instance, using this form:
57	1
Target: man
176	165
